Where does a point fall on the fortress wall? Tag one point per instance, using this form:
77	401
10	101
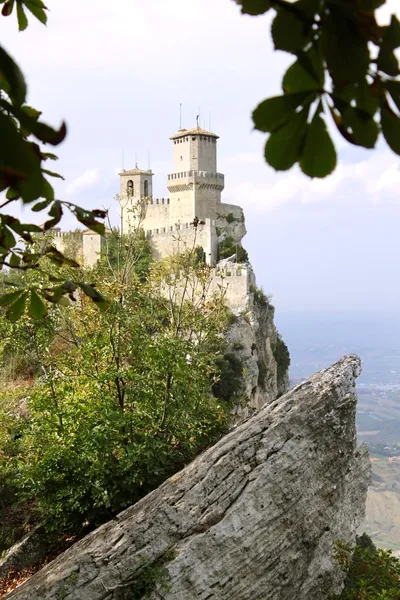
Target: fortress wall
91	242
157	214
182	206
237	281
206	200
175	240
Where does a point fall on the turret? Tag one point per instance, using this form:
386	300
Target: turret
136	186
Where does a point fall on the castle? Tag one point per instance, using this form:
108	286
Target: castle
193	213
192	216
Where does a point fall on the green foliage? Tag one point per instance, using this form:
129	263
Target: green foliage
260	297
371	574
282	357
230	218
228	247
229	382
24	177
199	256
131	253
335	73
122	398
262	374
151	577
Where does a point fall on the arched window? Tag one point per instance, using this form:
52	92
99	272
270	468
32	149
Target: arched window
130	188
146	188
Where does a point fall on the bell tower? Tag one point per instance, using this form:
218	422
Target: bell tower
136	187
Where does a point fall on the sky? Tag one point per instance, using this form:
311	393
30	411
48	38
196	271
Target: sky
117	73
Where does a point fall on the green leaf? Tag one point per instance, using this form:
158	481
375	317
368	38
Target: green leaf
289	32
14	261
371	5
22	20
32	112
363	127
7	8
37	8
37	308
92	293
387	61
52	174
254	7
393	88
367	97
41	205
391	36
56	212
17	308
11	79
284	146
390	123
48	191
7	239
308	7
58	257
31	125
7	299
318	158
19	162
87	218
12	194
306	74
345	49
275	112
46	155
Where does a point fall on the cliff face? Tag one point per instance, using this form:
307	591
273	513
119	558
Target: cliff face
256	516
252	338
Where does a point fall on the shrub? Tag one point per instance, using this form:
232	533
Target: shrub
260	297
230	381
371	574
282	357
228	247
262	374
230	218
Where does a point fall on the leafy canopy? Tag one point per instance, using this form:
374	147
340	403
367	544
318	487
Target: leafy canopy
345	71
25	177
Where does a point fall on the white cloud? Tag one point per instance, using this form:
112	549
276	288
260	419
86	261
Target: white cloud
87	180
375	179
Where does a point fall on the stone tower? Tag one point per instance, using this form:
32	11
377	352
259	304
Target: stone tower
135	185
195	186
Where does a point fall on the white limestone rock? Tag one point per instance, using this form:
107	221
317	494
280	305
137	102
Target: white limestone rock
251	338
254	517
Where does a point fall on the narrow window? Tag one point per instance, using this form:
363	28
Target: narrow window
146	188
130	188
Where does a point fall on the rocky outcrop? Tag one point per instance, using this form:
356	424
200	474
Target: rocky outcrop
252	338
28	551
254	517
230	222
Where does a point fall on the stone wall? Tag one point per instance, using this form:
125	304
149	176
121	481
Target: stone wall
237	280
91	243
182	237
